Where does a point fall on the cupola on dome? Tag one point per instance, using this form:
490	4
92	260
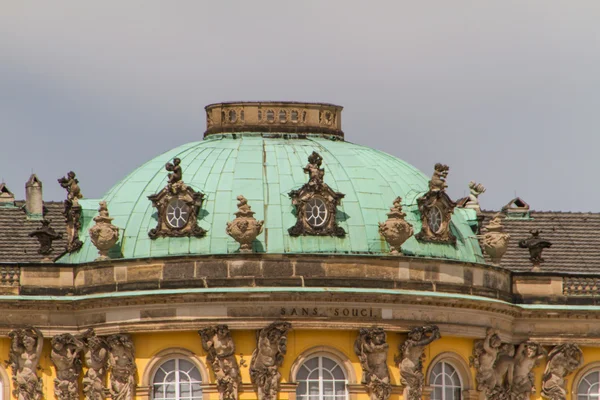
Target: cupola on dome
286	166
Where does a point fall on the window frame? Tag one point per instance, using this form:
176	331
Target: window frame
177	383
320	368
579	376
444	363
459	364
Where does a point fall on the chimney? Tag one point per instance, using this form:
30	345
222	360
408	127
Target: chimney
7	199
33	197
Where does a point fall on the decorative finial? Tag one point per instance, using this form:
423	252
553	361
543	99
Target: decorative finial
45	236
244	228
536	245
104	235
396	230
495	240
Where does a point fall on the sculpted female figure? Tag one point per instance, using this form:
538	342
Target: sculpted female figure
372	351
96	359
122	364
65	356
25	351
411	366
562	360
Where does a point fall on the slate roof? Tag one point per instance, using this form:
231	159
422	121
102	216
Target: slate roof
15	244
575	239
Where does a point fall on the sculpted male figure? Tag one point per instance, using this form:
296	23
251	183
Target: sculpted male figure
65	356
220	349
267	358
411	366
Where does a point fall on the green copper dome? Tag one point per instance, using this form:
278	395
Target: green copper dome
264	168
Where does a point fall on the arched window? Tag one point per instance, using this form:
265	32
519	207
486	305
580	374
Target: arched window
320	378
445	382
589	386
177	379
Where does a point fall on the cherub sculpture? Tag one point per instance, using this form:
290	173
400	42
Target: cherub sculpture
372	351
25	351
267	358
122	364
220	349
314	170
66	349
70	183
411	365
438	180
562	360
95	354
176	172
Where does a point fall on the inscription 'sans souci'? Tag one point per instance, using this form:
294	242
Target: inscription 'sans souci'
327	312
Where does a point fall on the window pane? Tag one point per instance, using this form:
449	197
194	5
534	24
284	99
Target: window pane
170	377
302	374
158	391
159	376
328	364
170	392
338	373
313	388
328	388
340	388
313	363
184	390
436	394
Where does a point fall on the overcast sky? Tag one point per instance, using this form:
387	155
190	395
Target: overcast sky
505	92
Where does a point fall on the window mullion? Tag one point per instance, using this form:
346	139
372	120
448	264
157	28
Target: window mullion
177	395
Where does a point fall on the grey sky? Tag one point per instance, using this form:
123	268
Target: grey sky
505	92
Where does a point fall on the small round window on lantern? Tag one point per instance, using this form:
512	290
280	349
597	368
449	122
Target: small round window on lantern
434	219
316	212
178	213
232	116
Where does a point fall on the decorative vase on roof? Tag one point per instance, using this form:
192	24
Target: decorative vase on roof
495	240
396	230
244	228
104	234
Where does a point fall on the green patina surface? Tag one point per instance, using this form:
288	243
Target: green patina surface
265	170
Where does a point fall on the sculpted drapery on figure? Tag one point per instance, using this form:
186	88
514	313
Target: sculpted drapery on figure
65	355
25	350
562	360
220	354
372	351
411	363
96	360
267	358
122	365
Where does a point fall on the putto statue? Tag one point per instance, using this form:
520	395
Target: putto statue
122	364
536	245
495	240
66	349
562	360
96	360
438	179
267	358
25	351
411	363
314	170
372	351
396	230
220	354
176	172
244	228
472	201
104	234
72	211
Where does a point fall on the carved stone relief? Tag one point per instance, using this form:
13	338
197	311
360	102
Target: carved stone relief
244	228
503	373
372	351
121	361
177	206
24	358
104	234
495	240
267	358
45	236
220	355
72	211
95	354
535	244
562	361
65	355
411	359
316	204
395	229
436	209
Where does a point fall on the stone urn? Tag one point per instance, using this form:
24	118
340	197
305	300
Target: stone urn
104	234
244	228
396	230
495	240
